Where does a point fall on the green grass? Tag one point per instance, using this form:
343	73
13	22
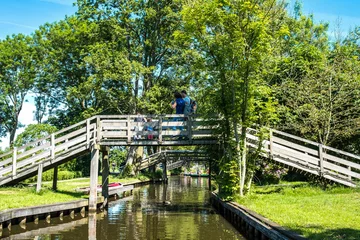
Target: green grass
24	196
315	213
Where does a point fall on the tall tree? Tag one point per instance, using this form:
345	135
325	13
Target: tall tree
83	73
17	76
148	27
234	41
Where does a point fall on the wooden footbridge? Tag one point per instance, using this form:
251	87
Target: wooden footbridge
98	133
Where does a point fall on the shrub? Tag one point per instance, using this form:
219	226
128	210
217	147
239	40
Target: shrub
62	175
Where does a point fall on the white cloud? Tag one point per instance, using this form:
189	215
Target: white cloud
62	2
18	25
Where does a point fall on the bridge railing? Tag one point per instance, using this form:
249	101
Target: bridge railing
156	128
307	155
60	144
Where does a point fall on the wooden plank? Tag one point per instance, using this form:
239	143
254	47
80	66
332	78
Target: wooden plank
341	161
201	132
6	170
295	137
173	124
295	146
44	147
71	143
290	153
71	135
71	127
174	133
5	154
5	162
110	128
33	159
342	152
343	170
113	125
35	143
114	134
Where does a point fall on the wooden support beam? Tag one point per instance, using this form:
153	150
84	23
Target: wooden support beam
39	177
164	169
105	172
55	178
92	226
94	166
209	175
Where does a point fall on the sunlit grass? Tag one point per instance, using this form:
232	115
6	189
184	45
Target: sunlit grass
24	196
311	211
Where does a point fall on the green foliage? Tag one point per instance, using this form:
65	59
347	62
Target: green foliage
17	75
127	172
62	175
34	132
117	157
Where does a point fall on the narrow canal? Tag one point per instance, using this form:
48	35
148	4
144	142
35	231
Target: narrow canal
178	210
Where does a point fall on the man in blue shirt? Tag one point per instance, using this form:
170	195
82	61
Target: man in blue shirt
187	109
179	105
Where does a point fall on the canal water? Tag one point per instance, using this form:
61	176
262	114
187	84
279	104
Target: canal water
177	210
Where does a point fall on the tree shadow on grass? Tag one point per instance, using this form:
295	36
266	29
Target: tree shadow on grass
73	194
331	234
269	191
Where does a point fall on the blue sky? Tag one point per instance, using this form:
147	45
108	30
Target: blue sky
24	16
332	10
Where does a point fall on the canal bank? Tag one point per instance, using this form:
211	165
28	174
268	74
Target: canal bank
249	223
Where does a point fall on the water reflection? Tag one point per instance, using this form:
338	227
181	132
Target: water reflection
177	210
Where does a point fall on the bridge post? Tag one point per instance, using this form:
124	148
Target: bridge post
55	177
94	166
52	142
160	130
14	162
128	129
209	175
189	127
92	226
87	133
164	169
39	178
270	143
321	160
105	173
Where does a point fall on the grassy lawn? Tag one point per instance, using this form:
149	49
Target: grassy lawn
17	197
310	211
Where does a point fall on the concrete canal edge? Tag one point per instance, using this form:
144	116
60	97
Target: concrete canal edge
20	216
249	223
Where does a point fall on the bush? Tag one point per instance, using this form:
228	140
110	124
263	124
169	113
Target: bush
62	175
269	173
